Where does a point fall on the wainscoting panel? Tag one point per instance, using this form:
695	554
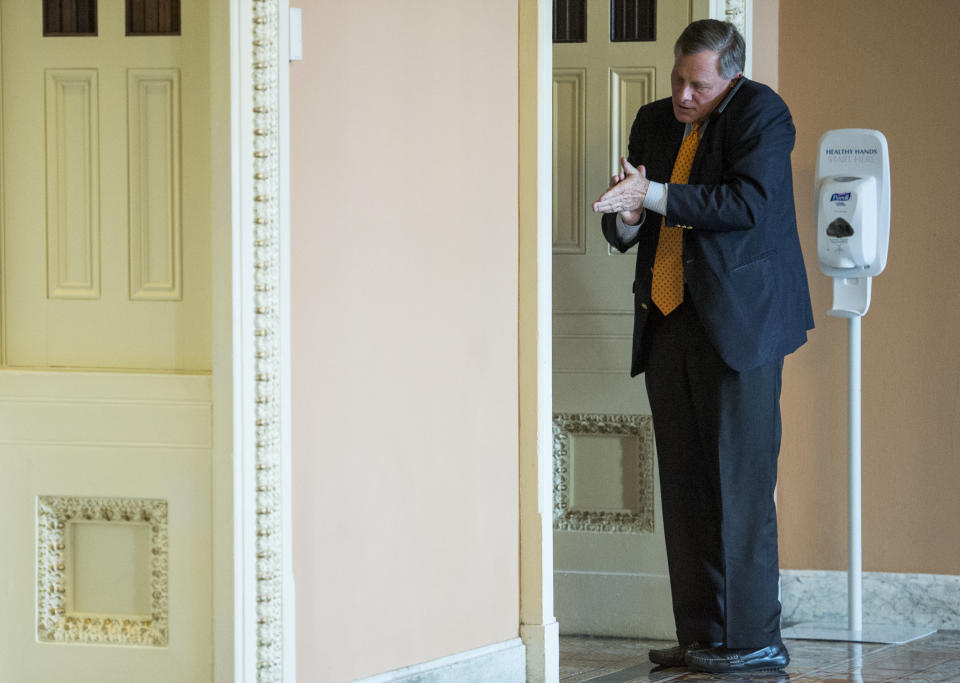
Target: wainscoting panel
607	603
107	525
136	410
592	342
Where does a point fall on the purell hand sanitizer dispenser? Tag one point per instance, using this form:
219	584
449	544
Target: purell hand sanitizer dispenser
853	232
853	214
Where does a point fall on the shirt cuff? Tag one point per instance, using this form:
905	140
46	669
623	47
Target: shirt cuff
627	233
656	199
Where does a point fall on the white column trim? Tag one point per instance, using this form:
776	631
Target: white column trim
740	14
264	626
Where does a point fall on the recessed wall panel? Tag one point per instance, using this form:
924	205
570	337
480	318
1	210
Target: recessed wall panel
603	473
592	353
154	148
110	566
71	110
569	161
630	89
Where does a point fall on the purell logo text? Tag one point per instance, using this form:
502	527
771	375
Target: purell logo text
840	197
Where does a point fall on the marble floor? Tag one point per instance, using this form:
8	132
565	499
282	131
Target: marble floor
932	659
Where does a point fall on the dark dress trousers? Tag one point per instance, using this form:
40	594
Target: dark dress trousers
713	366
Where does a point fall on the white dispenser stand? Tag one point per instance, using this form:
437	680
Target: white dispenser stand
853	233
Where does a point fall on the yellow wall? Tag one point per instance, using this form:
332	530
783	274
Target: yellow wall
404	340
892	66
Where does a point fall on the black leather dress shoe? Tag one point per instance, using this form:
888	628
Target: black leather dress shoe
676	655
723	660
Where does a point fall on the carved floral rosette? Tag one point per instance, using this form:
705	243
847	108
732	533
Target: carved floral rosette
566	519
54	621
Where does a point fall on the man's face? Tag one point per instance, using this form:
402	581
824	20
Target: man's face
697	86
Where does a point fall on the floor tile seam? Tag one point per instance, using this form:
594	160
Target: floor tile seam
906	674
847	660
671	677
815	673
919	668
818	674
889	675
600	678
826	676
585	672
913	670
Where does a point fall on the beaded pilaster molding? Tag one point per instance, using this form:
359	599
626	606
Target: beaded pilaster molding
56	621
266	344
735	11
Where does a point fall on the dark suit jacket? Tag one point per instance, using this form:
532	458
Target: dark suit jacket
742	261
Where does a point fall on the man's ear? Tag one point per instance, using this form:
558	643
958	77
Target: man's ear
734	87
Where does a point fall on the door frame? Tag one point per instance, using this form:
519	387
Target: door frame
538	625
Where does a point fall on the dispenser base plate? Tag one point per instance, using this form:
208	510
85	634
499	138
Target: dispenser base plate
871	633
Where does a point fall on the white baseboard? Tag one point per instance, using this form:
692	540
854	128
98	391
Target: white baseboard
499	663
622	604
893	599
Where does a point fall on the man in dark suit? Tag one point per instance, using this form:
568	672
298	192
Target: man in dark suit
720	298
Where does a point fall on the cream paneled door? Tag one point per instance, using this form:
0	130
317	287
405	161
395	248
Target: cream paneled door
105	390
610	561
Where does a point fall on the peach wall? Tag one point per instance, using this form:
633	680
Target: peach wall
404	340
766	42
892	66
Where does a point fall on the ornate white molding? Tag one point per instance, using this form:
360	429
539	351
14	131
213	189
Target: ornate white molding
640	427
267	338
740	14
55	621
735	11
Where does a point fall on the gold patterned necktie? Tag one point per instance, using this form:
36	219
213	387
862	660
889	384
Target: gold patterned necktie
667	288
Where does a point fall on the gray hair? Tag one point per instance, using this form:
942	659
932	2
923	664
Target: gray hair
721	37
